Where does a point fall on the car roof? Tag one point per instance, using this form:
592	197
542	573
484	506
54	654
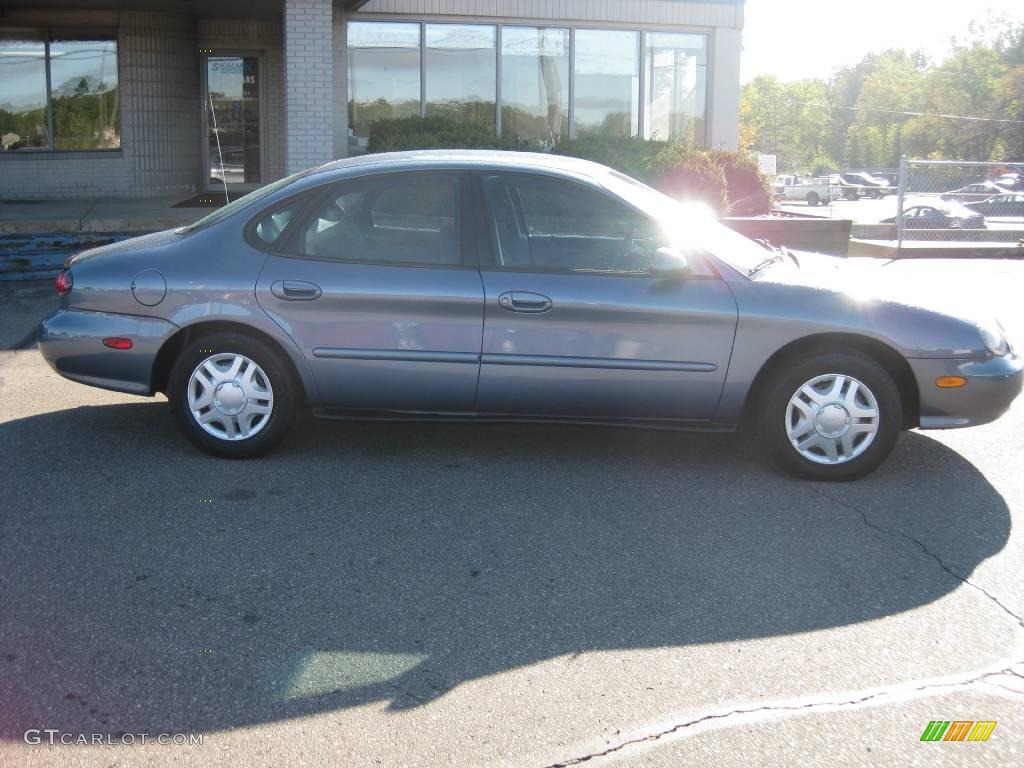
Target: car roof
469	158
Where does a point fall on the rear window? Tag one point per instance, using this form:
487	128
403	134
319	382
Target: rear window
243	202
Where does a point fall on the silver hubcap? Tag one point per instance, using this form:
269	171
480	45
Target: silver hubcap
832	419
230	396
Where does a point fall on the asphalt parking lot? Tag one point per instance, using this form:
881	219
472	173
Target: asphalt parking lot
424	595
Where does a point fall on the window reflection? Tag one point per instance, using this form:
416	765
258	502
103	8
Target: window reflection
535	84
23	120
82	102
461	71
675	71
607	91
83	82
384	75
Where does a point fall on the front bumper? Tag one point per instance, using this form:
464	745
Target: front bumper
992	385
71	341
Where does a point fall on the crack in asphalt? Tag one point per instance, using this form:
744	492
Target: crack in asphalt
853	702
891	691
925	550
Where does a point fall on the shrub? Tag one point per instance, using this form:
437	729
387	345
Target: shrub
697	177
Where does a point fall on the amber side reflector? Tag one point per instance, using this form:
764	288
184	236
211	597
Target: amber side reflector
950	382
118	342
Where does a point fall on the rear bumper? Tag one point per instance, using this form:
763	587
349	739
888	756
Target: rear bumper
71	341
992	385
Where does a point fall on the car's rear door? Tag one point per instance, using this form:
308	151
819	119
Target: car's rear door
575	322
373	284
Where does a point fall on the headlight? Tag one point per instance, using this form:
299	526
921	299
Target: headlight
994	339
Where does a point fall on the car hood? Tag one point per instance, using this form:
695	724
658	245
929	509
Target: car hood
915	284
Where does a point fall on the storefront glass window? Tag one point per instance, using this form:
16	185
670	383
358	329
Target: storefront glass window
607	96
461	71
82	103
535	84
384	75
675	85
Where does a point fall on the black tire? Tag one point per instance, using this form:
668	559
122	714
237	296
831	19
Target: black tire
813	199
283	386
773	407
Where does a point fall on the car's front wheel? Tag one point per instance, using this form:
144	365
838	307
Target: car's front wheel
232	395
835	416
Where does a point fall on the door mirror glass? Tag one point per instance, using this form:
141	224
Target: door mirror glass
669	261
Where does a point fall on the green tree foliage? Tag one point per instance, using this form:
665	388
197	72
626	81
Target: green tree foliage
860	117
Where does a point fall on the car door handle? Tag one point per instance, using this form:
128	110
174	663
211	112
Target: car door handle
524	301
296	290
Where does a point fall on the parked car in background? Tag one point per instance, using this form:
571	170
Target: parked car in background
1005	206
228	168
944	215
814	191
494	286
890	178
849	189
1012	182
872	186
981	190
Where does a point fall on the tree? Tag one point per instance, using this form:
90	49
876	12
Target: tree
896	102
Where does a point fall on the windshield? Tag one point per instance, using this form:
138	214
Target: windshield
228	210
690	226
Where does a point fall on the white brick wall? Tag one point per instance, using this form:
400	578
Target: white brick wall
308	83
161	113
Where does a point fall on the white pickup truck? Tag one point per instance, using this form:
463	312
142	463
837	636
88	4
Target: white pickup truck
815	191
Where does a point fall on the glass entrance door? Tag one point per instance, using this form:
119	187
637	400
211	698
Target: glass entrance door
234	141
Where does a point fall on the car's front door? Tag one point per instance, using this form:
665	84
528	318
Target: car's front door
371	283
577	324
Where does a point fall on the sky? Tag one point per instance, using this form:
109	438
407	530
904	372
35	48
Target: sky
794	39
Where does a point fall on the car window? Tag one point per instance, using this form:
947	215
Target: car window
270	226
551	224
395	219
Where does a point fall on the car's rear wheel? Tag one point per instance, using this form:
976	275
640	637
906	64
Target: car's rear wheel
232	395
835	416
813	198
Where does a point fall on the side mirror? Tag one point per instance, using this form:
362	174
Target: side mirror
669	261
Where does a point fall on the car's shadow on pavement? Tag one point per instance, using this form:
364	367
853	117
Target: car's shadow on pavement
146	587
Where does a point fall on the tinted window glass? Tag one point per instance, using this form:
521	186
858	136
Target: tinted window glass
550	224
398	220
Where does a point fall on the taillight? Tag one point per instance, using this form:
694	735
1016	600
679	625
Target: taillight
117	342
65	282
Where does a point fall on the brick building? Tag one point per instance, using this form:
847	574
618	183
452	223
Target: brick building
146	97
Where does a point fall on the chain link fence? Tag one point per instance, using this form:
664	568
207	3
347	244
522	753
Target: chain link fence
960	204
